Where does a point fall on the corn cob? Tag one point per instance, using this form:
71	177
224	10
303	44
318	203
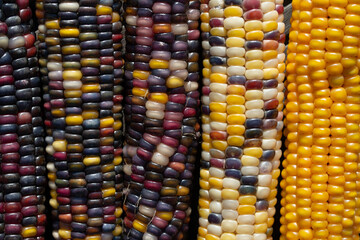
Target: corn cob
21	129
185	155
139	39
84	65
244	105
160	106
164	153
321	119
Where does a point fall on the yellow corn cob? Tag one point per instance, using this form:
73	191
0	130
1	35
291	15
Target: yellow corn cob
322	121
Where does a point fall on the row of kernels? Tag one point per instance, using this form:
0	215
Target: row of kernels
105	19
90	68
234	25
271	104
279	126
321	136
352	106
39	13
254	184
249	203
288	219
217	117
190	122
334	34
90	93
305	105
39	145
204	198
129	149
353	6
117	30
320	126
55	144
72	121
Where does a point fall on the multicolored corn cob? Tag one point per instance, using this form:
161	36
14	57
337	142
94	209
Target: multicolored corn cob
161	118
84	66
21	127
245	84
